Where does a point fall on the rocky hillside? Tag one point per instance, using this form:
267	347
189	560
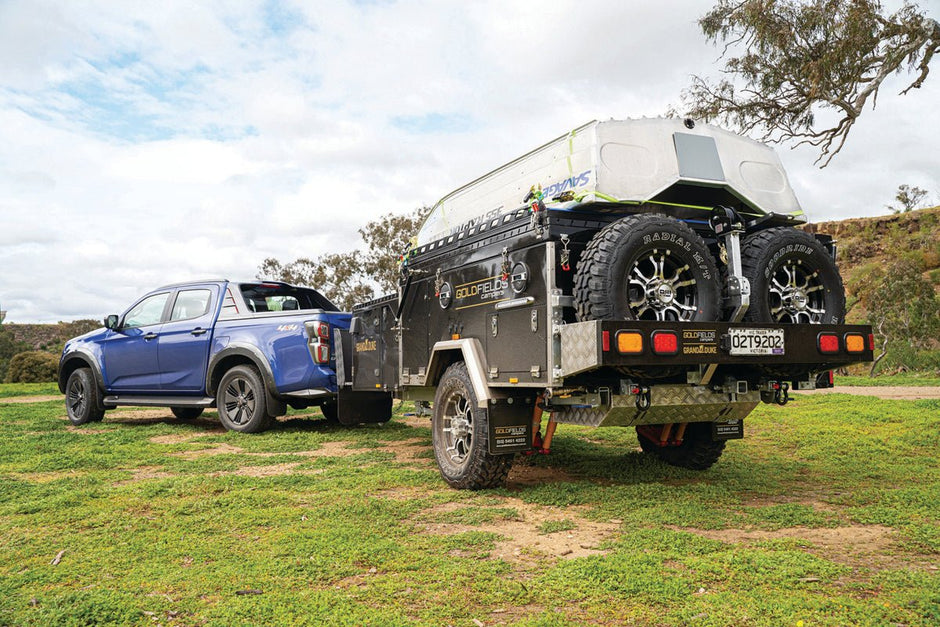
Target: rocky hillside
867	243
47	337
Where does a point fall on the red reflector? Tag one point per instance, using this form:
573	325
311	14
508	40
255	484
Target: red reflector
828	343
871	341
605	340
665	343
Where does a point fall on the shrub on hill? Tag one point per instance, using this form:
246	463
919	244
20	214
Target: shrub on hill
32	367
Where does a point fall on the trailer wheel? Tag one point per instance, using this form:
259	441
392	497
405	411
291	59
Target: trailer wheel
460	434
793	279
698	450
186	413
241	401
81	397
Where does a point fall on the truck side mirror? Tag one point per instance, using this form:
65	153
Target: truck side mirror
111	322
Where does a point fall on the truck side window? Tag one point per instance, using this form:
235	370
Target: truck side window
229	308
190	304
146	312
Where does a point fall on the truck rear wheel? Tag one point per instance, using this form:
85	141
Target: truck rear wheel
793	279
647	267
460	434
242	402
698	450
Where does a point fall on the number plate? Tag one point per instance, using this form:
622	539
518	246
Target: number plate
756	341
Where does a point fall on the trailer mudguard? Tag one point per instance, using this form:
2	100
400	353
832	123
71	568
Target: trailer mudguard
469	351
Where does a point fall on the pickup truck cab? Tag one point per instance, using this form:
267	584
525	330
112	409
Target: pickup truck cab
249	349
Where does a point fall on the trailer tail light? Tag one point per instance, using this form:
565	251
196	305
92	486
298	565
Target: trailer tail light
871	341
629	342
665	343
854	342
828	343
605	340
322	330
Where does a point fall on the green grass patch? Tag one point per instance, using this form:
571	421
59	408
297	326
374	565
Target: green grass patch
555	526
9	390
155	521
912	379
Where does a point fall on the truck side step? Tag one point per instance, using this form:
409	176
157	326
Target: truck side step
158	401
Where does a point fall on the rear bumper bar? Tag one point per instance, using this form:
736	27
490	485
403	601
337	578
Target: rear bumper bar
593	344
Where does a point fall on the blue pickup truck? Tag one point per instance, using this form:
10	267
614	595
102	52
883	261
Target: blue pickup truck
249	349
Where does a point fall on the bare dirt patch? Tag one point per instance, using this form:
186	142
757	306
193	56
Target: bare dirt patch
179	438
864	547
888	393
220	448
31	399
144	473
46	477
408	451
521	539
521	475
328	449
415	421
271	470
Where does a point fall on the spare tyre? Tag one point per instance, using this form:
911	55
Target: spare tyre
647	267
793	279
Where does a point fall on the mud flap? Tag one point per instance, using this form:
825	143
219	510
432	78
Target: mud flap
353	408
510	422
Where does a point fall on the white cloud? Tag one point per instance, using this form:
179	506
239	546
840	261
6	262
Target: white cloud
145	144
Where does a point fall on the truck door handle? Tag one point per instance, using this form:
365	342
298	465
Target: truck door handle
150	336
198	331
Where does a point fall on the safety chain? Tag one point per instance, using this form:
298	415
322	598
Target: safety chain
505	268
535	198
565	253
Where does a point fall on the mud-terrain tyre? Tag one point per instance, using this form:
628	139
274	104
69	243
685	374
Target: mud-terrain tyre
698	450
81	397
242	402
647	267
329	412
186	413
793	279
460	435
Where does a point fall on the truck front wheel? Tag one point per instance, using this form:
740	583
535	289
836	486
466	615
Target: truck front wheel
460	434
241	401
81	397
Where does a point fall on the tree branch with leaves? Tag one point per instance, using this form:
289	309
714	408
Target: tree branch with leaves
787	61
352	277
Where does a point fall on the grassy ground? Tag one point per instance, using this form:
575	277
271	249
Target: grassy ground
889	380
828	513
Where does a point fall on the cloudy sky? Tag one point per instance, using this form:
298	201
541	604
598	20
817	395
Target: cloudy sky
145	143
